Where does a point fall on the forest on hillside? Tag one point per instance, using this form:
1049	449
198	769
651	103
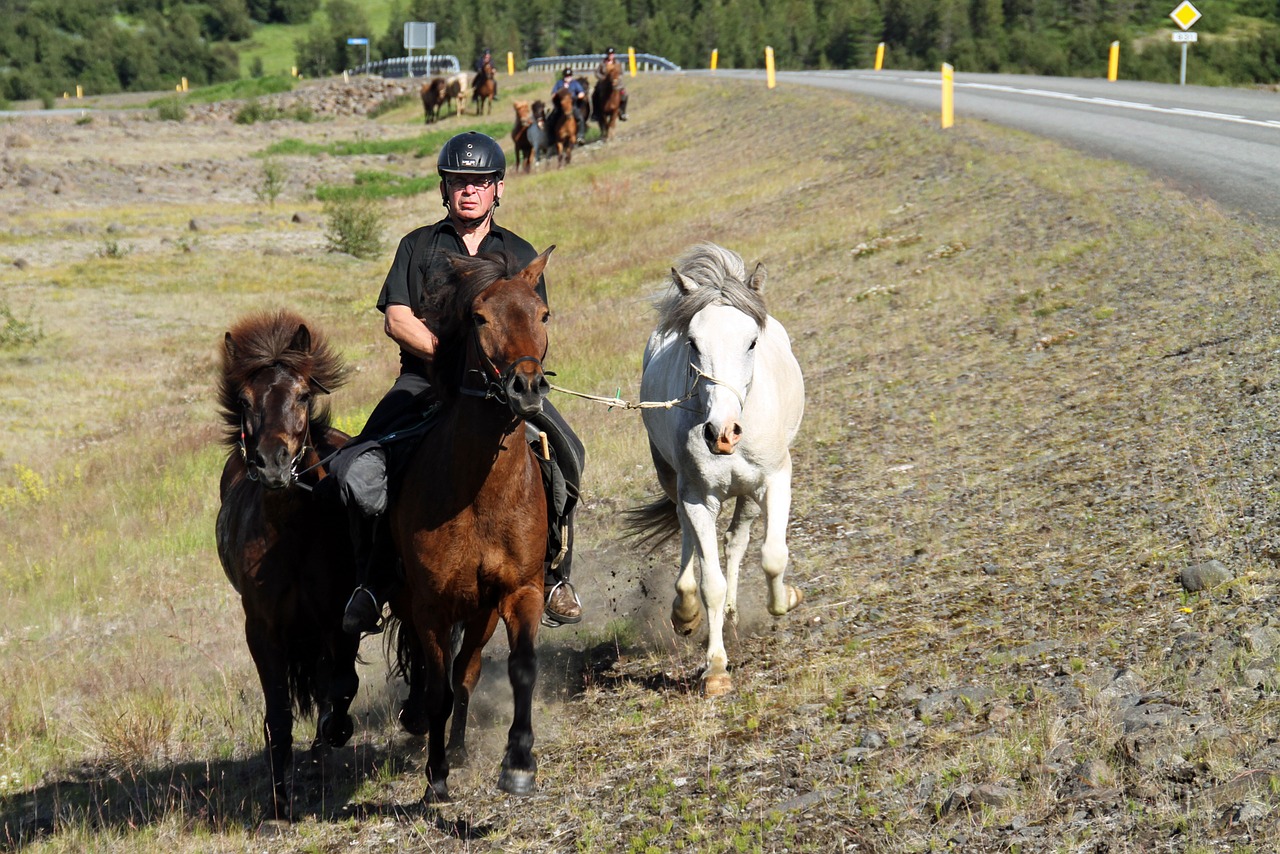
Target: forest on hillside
50	46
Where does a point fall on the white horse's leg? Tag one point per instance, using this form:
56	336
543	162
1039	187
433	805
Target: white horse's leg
701	518
773	552
686	613
736	539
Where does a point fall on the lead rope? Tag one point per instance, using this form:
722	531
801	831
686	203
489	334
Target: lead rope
618	402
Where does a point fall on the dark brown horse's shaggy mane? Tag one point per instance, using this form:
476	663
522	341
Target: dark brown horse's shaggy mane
459	280
262	340
722	280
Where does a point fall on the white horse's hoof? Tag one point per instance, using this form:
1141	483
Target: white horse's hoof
685	626
794	598
716	684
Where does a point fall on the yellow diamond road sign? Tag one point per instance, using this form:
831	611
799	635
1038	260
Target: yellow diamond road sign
1185	15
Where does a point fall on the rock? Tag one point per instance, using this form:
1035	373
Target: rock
299	219
1263	640
20	263
1205	576
1095	774
192	225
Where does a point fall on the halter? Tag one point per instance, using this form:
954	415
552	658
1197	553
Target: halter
242	443
495	388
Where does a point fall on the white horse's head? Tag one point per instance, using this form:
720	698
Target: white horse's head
725	321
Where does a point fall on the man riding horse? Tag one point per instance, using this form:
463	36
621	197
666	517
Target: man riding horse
471	167
580	103
604	70
482	60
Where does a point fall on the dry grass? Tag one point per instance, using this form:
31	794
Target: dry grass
1029	408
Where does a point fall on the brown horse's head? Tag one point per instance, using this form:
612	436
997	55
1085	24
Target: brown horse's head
492	330
273	368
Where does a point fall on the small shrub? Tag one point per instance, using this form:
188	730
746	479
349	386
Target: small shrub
274	177
16	332
252	113
302	113
354	227
85	120
47	100
171	110
255	68
112	248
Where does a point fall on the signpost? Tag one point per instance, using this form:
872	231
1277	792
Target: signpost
1185	15
364	42
419	34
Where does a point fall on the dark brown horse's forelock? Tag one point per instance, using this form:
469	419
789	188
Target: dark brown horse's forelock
262	341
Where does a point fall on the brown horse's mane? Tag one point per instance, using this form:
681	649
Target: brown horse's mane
459	279
722	280
262	340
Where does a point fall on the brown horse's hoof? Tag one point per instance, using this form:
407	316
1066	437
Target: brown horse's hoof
516	782
716	685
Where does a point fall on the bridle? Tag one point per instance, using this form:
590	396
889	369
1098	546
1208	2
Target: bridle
242	443
494	382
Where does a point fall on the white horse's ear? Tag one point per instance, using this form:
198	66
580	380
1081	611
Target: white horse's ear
758	276
687	286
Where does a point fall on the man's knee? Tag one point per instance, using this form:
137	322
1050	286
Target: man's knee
362	482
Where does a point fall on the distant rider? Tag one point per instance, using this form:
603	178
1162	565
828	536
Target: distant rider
603	70
567	81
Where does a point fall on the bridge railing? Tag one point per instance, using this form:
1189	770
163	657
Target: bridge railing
400	66
589	61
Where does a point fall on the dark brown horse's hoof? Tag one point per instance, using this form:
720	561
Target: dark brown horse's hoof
436	793
413	721
516	782
334	730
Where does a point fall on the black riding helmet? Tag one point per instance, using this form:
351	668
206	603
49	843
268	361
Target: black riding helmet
472	153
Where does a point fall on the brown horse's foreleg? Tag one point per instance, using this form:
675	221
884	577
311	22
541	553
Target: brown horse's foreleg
340	682
438	703
466	673
522	612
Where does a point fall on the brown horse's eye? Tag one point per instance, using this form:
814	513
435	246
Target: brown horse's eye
478	320
546	316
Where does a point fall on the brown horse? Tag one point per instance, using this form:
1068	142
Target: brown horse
520	135
455	90
606	101
434	97
562	126
470	521
283	549
483	88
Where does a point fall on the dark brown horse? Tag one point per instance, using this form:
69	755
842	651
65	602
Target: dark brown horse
606	101
562	126
470	521
434	97
283	549
483	88
520	135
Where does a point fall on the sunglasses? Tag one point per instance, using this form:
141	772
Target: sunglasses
461	182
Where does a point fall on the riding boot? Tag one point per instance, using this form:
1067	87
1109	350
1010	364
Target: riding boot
363	614
622	107
563	605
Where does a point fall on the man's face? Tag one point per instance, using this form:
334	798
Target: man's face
470	197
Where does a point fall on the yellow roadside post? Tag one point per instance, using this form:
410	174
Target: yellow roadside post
631	60
880	56
184	84
715	58
511	63
948	95
769	76
1113	62
79	91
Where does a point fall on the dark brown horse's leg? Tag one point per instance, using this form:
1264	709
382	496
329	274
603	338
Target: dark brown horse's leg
466	673
522	614
334	725
277	728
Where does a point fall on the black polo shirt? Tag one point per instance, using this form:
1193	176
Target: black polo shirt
407	279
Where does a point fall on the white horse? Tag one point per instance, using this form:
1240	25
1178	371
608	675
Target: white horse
717	346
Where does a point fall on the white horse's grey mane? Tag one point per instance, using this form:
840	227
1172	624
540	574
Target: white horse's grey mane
721	279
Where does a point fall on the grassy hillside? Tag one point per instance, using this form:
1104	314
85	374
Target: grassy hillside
1029	412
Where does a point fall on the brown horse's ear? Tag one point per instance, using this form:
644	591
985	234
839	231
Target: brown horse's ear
756	282
229	345
301	340
531	273
686	286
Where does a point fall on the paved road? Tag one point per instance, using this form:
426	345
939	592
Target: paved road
1220	143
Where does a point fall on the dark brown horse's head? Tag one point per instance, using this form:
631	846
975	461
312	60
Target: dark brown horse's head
492	329
273	369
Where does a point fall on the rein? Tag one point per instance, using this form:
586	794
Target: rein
494	389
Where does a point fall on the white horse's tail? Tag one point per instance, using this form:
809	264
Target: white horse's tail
654	523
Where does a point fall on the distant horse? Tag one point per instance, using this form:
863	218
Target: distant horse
483	88
562	126
455	90
470	523
524	147
543	145
606	101
283	549
716	345
434	98
585	103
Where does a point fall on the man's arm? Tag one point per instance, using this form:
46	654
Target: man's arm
412	334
